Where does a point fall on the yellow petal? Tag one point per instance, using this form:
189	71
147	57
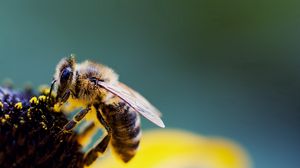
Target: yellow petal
181	149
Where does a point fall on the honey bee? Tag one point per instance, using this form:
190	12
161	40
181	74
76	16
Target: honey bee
116	105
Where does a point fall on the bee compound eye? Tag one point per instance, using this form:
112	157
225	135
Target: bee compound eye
66	74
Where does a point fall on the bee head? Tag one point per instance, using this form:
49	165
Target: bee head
64	76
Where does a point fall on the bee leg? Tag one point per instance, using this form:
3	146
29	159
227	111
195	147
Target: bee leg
78	117
92	155
103	122
66	96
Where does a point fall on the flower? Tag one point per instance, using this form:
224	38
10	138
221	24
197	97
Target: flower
30	136
182	149
28	133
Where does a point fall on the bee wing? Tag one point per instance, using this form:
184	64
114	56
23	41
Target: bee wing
142	99
135	100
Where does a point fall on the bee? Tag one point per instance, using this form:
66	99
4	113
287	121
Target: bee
116	105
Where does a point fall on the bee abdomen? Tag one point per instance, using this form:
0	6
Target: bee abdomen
126	132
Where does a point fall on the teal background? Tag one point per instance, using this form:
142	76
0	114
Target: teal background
218	68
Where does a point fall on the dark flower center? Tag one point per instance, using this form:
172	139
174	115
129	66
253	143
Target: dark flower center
30	133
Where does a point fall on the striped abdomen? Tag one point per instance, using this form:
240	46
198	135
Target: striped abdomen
125	128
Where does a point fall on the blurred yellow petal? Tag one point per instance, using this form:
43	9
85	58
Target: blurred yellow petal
181	149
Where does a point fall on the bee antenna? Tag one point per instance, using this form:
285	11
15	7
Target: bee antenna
1	91
51	88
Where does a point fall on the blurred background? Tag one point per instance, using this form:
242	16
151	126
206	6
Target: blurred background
217	68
